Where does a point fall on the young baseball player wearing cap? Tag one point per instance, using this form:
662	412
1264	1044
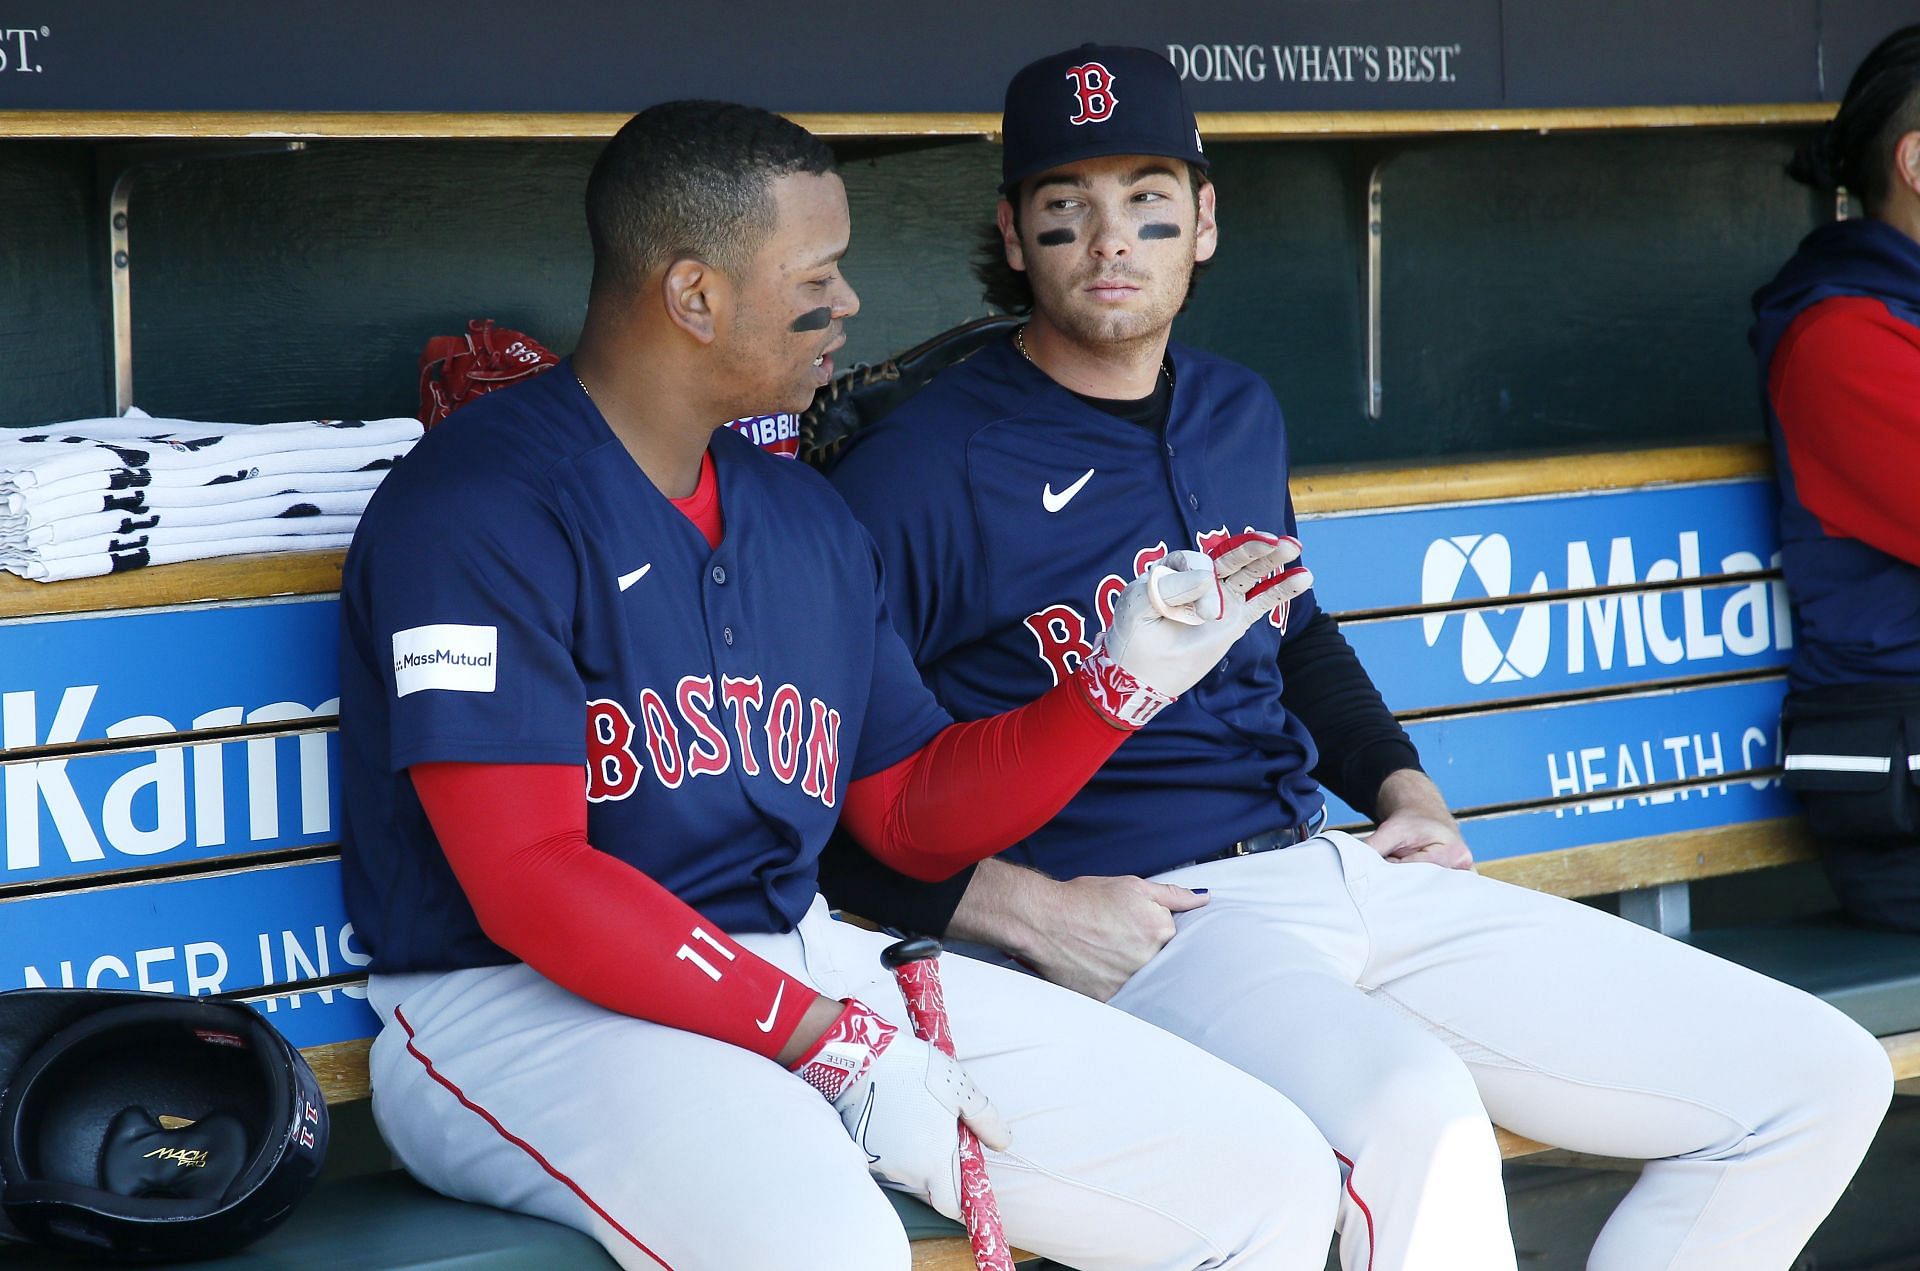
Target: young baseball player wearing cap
1398	1002
611	674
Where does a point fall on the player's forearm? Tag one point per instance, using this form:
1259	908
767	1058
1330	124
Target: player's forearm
979	787
814	1021
1004	906
1089	934
515	836
1413	791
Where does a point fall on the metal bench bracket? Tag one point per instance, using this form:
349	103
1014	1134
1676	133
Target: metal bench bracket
1666	908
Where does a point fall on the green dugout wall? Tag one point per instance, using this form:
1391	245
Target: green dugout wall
1536	292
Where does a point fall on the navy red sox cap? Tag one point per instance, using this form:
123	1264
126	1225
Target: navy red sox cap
1096	100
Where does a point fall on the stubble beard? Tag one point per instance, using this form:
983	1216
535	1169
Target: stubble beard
745	365
1112	330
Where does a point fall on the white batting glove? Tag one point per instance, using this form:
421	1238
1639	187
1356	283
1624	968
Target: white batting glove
902	1101
1174	623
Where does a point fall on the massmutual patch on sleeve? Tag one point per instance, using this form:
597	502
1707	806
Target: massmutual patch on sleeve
446	655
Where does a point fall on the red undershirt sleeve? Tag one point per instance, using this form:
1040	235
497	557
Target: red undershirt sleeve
1845	385
982	786
516	836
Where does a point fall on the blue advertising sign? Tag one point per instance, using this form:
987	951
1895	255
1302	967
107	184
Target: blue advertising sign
1609	820
80	677
162	806
862	55
1403	557
1540	547
1563	646
211	934
98	677
1651	55
865	55
1594	757
1599	748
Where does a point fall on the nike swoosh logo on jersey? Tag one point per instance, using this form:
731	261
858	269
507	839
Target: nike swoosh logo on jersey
1054	502
766	1025
628	580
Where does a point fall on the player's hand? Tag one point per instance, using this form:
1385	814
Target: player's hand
901	1100
1174	623
1089	934
1407	837
1415	824
1101	930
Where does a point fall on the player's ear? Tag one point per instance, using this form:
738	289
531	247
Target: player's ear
693	293
1009	236
1906	161
1206	226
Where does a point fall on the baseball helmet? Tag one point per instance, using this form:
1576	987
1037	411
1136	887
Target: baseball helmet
147	1127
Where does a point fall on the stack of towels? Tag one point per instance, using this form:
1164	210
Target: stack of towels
97	496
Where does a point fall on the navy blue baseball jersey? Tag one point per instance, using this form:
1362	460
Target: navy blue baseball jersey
520	592
1009	514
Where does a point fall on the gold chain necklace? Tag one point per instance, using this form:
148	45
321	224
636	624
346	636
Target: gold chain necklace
1020	342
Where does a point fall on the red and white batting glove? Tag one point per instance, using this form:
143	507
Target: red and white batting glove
901	1100
1174	623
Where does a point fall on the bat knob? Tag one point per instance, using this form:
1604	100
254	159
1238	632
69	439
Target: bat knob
901	952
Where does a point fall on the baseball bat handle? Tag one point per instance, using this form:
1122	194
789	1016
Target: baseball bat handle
914	949
915	964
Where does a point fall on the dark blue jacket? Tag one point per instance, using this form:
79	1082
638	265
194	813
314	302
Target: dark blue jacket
1856	609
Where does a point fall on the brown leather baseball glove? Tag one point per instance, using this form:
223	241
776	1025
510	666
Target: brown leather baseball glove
864	394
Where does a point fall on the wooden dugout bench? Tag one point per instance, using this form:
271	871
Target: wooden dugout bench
1589	651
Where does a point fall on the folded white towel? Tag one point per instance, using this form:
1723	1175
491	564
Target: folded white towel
83	496
133	512
96	564
365	462
43	545
37	458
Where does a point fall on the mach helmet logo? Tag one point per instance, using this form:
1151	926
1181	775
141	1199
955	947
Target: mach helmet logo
1093	89
1484	655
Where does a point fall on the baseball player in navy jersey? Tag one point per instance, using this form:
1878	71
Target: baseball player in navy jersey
1394	995
610	676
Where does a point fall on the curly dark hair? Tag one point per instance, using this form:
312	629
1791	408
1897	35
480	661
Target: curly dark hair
1007	288
691	178
1855	148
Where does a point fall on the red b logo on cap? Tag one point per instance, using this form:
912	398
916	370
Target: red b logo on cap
1093	86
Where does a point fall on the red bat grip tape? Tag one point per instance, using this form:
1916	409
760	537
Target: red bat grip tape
926	1006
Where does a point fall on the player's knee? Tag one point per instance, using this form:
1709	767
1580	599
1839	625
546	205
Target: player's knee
1850	1081
1825	1085
1280	1189
1300	1205
1429	1107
